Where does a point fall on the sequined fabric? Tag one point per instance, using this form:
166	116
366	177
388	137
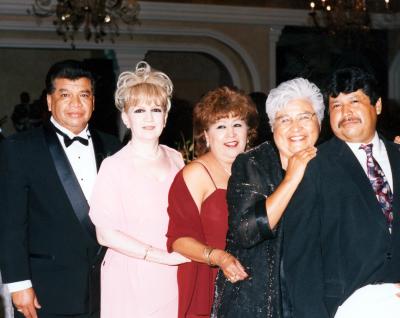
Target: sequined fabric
255	175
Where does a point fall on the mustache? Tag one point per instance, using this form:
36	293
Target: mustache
346	119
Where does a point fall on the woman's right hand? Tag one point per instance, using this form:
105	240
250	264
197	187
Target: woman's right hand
160	256
229	265
298	162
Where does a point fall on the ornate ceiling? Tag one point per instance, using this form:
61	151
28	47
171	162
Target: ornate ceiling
373	5
298	4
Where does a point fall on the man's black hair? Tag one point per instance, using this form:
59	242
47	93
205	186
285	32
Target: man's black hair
68	69
351	79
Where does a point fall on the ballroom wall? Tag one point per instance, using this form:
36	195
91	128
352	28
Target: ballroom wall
193	74
202	45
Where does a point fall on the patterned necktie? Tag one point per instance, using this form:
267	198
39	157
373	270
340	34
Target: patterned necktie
380	185
68	141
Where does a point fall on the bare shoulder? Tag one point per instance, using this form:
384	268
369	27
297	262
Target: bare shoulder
197	180
195	172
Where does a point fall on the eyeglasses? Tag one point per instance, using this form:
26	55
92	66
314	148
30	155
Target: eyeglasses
302	119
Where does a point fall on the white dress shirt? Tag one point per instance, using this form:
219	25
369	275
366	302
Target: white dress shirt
81	158
83	163
372	301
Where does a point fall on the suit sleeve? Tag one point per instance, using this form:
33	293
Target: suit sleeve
248	221
302	259
14	198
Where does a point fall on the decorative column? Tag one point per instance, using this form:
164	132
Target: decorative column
274	34
125	60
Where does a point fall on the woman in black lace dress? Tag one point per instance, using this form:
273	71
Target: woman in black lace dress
261	185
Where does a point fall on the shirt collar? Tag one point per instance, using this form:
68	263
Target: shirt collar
85	133
355	146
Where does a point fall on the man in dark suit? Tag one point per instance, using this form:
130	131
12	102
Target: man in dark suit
50	259
342	227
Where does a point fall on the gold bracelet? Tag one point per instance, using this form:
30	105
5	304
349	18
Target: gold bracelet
209	258
148	248
206	254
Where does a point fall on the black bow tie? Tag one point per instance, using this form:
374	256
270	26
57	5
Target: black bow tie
68	141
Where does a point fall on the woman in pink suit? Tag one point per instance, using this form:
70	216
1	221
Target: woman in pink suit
129	204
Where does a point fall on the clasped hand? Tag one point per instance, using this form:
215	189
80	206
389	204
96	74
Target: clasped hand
229	265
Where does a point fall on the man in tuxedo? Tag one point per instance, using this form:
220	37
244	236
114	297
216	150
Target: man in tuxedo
342	227
50	259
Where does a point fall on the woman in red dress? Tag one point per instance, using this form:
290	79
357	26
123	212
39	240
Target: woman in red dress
224	121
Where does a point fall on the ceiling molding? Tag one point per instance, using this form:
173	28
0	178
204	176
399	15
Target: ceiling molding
161	11
27	23
168	19
183	12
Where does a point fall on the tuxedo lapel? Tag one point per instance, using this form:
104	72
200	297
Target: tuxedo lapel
394	159
355	172
68	180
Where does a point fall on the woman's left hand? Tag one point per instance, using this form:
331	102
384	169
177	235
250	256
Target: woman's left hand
229	265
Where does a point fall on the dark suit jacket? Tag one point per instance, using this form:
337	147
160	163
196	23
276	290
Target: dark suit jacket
255	175
46	235
336	239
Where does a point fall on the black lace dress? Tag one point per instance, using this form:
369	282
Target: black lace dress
255	175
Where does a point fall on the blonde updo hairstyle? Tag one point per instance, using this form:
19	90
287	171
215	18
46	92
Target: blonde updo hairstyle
144	85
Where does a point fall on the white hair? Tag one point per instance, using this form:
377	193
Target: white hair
298	88
143	74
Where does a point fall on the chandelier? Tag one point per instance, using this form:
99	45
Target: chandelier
344	15
97	18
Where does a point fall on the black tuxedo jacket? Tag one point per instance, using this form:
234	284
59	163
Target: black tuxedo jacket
336	239
46	235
